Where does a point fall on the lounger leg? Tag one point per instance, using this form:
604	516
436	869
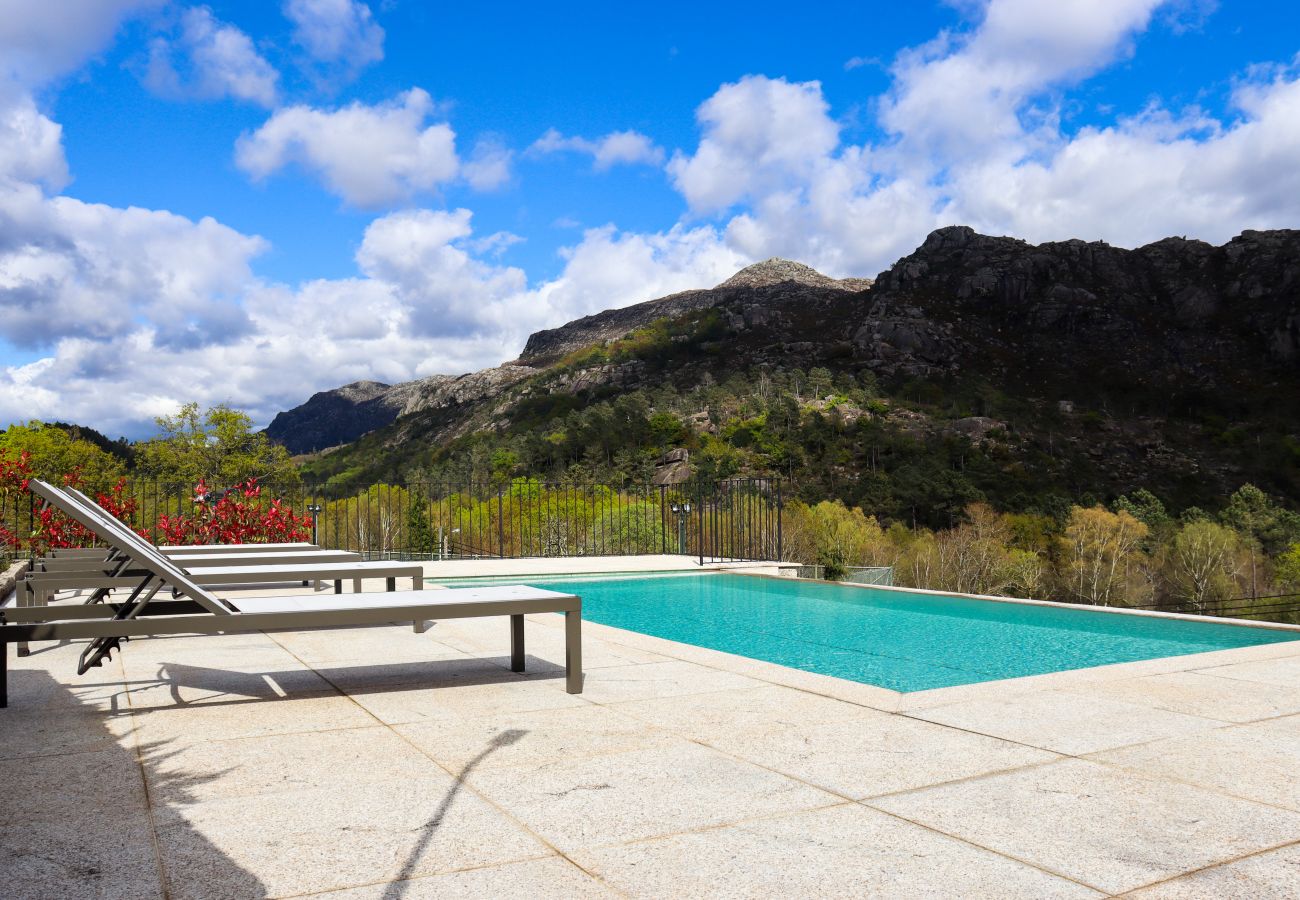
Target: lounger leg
390	584
4	674
516	643
573	652
356	585
338	585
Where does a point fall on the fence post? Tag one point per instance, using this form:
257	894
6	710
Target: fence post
699	512
663	531
780	549
501	533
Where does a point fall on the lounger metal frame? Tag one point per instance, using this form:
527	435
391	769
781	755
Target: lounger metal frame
48	623
202	612
120	571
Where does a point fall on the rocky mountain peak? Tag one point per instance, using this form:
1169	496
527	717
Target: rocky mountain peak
777	271
359	391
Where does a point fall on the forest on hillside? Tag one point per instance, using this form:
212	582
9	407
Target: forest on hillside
934	507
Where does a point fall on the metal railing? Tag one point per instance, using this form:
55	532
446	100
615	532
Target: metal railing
883	575
1283	608
737	519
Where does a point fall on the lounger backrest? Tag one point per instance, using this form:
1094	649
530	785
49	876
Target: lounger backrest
85	512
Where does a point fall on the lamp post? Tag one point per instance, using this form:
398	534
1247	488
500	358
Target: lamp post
315	509
443	535
681	510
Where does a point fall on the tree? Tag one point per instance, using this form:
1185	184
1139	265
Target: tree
218	446
54	452
1145	507
836	537
419	530
1262	524
974	557
1098	550
1201	564
1288	568
373	521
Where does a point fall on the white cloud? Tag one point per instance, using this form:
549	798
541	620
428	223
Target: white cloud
31	145
368	155
1136	181
859	62
41	40
488	167
221	61
957	97
447	291
336	32
761	136
615	148
69	268
975	136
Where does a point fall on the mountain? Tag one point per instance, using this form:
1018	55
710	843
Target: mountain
341	415
551	345
976	366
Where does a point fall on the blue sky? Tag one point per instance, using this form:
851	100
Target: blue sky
248	202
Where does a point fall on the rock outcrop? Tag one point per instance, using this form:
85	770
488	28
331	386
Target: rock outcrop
344	414
334	417
770	278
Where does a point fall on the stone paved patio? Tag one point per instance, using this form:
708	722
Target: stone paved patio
381	763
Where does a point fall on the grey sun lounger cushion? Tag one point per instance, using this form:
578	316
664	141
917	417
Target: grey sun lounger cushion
39	586
169	549
296	547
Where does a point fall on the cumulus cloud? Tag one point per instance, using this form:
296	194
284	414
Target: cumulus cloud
69	268
210	59
488	167
40	41
956	97
1152	176
340	33
615	148
974	135
367	155
31	145
760	136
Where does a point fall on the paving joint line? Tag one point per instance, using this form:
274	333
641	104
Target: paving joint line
143	771
1211	866
455	777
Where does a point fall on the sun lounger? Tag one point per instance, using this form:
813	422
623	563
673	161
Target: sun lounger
199	611
126	572
91	516
127	546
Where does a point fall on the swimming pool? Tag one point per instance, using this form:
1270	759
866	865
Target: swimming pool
900	640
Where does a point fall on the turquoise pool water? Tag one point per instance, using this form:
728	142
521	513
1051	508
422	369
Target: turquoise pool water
898	640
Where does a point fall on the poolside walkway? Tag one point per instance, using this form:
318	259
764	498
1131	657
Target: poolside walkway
382	763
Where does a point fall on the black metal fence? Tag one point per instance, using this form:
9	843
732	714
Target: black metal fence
738	519
1284	608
